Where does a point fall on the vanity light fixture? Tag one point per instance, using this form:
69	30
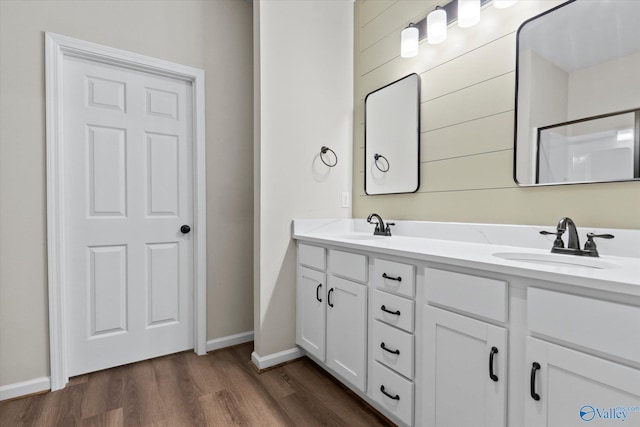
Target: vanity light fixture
437	26
625	135
434	25
409	41
468	13
502	4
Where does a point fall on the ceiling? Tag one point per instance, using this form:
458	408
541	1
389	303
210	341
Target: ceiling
584	33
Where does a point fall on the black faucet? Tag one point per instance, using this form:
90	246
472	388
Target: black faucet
566	224
380	229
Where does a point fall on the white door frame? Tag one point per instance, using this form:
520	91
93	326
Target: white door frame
56	48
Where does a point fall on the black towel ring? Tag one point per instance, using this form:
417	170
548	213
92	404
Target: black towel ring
324	150
377	157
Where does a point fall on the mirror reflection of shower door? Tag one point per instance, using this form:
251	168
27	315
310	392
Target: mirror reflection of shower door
603	148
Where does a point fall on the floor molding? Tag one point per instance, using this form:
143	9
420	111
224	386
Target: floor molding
218	343
24	388
270	360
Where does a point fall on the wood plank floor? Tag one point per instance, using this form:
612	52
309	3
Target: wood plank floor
219	389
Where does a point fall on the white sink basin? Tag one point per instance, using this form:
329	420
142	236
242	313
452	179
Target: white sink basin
557	260
359	236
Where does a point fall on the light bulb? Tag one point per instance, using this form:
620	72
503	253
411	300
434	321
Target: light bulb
625	135
409	42
468	13
501	4
437	26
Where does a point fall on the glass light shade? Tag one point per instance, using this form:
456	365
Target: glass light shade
409	42
501	4
437	26
468	13
625	135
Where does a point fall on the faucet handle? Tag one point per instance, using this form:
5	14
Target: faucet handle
388	230
590	245
558	243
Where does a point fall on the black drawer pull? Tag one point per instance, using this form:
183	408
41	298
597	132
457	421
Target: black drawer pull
396	397
329	297
383	308
397	279
493	376
318	292
384	347
534	368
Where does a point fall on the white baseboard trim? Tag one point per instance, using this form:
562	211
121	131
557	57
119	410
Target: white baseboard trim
23	388
264	362
218	343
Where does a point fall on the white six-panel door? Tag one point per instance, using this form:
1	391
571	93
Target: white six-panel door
128	190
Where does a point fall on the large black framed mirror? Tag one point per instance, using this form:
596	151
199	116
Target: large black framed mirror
392	138
577	117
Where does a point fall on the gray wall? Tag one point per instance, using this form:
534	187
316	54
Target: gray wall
213	35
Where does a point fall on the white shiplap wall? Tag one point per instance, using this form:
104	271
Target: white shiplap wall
467	115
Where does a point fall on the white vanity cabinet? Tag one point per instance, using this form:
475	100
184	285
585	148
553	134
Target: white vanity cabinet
438	334
331	310
465	359
596	380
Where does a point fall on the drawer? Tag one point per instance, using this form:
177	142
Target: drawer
348	265
471	294
398	399
399	348
312	256
395	277
402	310
604	326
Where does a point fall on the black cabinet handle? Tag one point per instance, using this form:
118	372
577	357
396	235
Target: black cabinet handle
397	279
185	229
318	292
383	308
534	368
384	347
329	297
396	397
493	376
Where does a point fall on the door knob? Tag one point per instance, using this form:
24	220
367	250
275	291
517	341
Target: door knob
185	229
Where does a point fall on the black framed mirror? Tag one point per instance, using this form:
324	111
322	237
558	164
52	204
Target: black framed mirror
577	117
392	138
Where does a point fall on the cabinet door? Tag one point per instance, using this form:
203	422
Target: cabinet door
459	358
347	330
574	388
311	295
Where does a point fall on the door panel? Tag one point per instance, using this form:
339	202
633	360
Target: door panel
128	185
575	388
108	289
163	177
311	312
163	275
457	351
346	330
107	171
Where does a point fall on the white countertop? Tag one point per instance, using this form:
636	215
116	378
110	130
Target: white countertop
473	246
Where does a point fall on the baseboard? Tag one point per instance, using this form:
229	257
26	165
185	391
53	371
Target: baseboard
36	385
218	343
24	388
264	362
